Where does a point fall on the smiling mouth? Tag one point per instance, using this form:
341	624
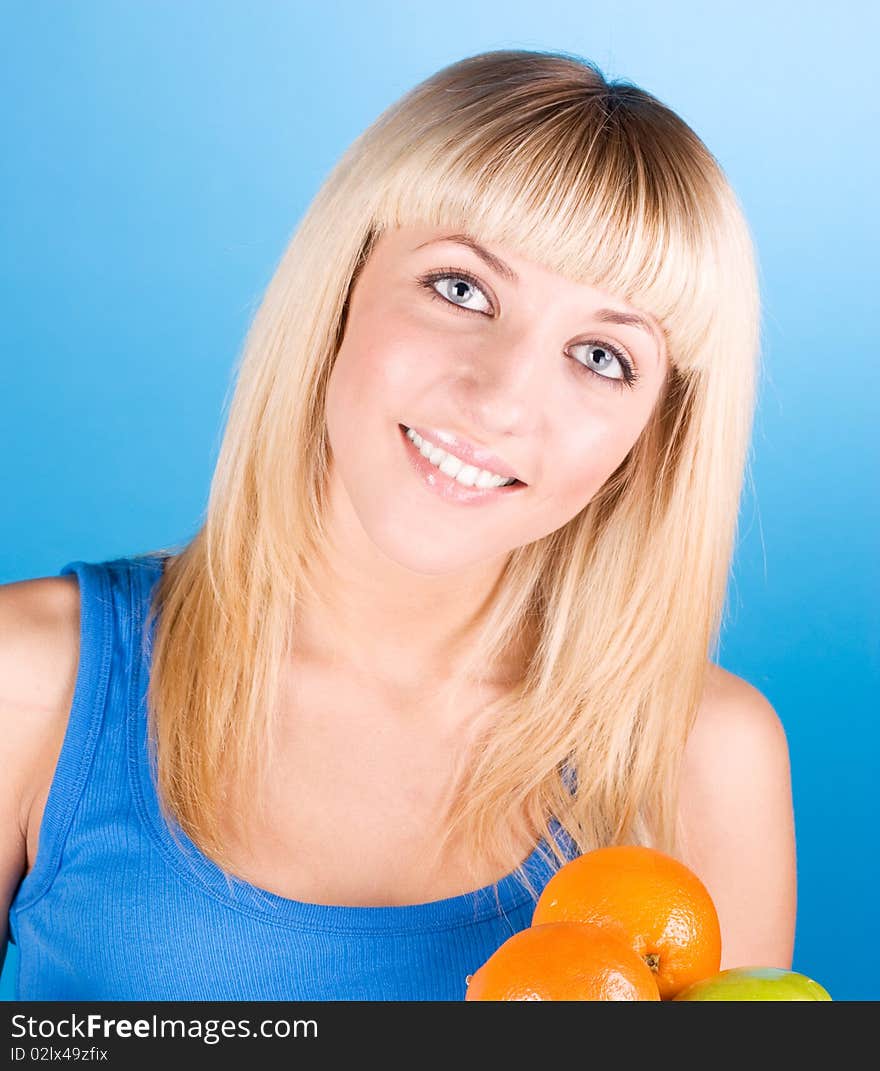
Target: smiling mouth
510	483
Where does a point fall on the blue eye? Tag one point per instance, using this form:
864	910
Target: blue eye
462	288
458	287
628	374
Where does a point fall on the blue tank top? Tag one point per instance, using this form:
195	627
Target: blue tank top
116	908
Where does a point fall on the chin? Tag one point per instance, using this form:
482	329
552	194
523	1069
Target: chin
422	550
408	528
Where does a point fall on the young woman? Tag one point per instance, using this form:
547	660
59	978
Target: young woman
451	615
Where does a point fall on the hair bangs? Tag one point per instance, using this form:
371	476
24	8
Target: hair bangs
579	185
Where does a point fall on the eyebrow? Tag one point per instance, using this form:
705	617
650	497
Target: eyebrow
607	316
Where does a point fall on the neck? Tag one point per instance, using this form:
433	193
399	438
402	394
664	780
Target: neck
376	618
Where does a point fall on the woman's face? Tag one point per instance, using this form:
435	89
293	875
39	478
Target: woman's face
440	341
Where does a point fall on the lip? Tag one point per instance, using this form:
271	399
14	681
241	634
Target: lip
448	488
467	451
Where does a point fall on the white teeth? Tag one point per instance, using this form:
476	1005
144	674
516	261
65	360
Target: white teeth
453	466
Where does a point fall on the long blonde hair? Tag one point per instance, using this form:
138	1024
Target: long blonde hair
603	183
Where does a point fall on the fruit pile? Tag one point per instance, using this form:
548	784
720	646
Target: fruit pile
626	923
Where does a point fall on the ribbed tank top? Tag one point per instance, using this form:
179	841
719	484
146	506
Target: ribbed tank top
116	908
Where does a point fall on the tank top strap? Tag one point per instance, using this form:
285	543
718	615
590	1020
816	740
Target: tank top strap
569	777
112	595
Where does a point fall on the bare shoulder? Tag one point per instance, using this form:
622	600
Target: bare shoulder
737	820
39	655
737	736
732	711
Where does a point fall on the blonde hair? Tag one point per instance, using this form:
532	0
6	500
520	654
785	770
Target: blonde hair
600	182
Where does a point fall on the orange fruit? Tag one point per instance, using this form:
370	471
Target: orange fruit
648	899
563	961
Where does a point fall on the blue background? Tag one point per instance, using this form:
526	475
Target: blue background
156	159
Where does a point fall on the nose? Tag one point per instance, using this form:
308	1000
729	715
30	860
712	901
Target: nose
504	381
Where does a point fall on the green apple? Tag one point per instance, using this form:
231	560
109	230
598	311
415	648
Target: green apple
755	983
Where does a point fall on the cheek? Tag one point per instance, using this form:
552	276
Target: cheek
587	458
404	366
379	368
